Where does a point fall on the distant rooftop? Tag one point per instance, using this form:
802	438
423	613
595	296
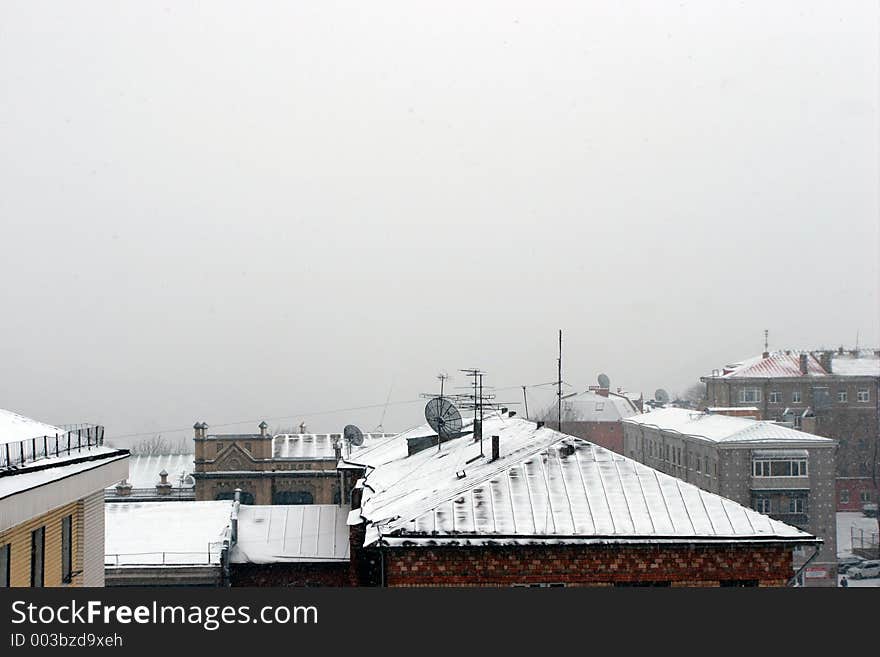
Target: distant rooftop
861	363
721	428
297	533
593	407
316	445
787	364
143	470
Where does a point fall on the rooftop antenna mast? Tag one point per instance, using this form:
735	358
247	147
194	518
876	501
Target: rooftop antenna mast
766	342
526	402
442	376
559	387
478	401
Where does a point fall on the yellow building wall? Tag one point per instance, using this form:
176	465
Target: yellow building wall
19	537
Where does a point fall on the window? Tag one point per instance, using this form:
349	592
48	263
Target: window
841	396
750	395
762	504
865	496
844	497
292	497
699	464
796	504
775	397
779	467
5	558
67	549
796	397
38	545
864	395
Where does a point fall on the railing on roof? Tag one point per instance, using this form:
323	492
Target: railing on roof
209	557
81	438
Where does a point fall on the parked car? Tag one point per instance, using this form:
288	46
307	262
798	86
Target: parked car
845	564
869	509
865	569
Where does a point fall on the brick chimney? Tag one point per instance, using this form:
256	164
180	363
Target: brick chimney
802	359
263	427
163	487
825	361
496	448
123	488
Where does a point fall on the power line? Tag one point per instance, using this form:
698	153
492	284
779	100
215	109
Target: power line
310	414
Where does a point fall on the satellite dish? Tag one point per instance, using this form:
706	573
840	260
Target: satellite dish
604	381
661	395
443	417
352	435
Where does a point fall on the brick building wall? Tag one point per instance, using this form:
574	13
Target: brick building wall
673	565
605	434
290	574
853	492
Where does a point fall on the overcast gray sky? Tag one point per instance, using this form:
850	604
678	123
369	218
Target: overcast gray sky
227	211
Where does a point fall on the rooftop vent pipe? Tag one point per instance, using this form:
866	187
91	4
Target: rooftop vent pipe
496	448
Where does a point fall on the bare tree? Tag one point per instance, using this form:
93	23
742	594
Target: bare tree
695	394
159	445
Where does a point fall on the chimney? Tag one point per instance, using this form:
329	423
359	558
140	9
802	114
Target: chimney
123	488
163	487
540	424
496	448
478	430
603	392
511	414
766	354
263	427
337	450
503	410
803	364
840	350
825	361
302	427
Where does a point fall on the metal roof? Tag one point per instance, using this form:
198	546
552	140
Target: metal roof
143	470
314	445
296	533
724	428
15	427
778	364
545	486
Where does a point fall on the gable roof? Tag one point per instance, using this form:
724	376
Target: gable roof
778	364
720	428
545	486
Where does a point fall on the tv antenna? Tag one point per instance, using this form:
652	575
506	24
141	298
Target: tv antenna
442	415
559	387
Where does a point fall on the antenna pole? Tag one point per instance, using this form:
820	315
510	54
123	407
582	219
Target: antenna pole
526	402
442	378
559	387
480	402
766	343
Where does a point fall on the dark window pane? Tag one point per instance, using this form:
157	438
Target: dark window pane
5	553
38	544
66	548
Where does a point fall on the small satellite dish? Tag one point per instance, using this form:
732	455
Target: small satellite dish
604	381
661	395
443	417
352	435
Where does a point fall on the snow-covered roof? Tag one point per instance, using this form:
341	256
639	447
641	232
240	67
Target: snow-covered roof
170	533
592	407
545	486
298	533
15	427
721	428
143	470
863	363
778	364
305	446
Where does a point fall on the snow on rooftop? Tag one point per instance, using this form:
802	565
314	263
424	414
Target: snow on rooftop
864	363
15	427
778	364
314	445
36	473
171	533
545	486
592	407
723	428
296	533
143	470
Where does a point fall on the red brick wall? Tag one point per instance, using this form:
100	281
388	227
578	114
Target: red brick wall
605	434
855	486
771	565
290	574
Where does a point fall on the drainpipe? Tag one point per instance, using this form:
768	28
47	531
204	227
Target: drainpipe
815	554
